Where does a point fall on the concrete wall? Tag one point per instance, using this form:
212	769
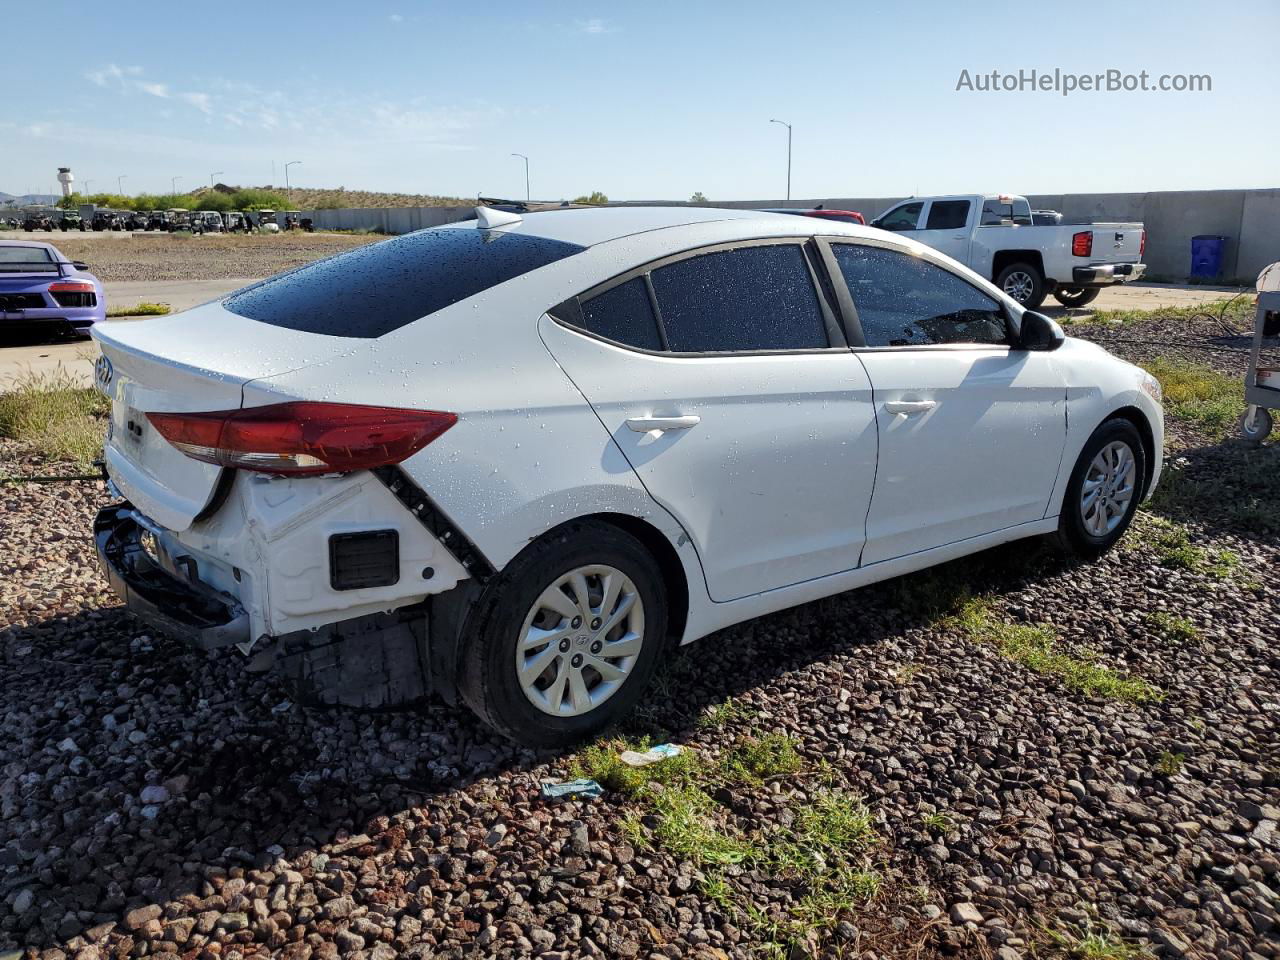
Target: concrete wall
1249	218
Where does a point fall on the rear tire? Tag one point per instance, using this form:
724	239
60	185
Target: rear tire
1024	283
568	699
1104	490
1076	296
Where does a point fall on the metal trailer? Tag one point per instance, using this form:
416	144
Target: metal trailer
1262	380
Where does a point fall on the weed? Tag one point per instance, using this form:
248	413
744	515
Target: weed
936	823
689	830
842	891
716	889
731	711
1036	648
633	830
1170	764
139	310
836	822
755	759
1173	628
1096	944
56	414
906	673
1173	548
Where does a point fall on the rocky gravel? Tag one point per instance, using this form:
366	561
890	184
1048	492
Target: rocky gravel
158	801
157	256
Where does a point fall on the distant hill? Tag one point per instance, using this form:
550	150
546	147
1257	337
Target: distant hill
9	199
305	198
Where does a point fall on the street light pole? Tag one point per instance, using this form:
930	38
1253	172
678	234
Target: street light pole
119	183
788	126
286	174
86	187
173	185
216	173
526	174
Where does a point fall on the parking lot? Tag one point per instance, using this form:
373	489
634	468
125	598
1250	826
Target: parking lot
157	800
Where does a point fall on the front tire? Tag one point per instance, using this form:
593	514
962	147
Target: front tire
1023	282
563	642
1256	423
1104	490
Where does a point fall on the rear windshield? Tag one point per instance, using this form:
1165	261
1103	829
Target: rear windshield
26	260
373	290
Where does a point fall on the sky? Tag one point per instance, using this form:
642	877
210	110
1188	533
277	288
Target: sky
644	100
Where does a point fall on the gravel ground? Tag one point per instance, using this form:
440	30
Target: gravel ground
159	801
207	257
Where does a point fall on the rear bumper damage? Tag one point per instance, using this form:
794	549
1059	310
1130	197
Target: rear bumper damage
329	642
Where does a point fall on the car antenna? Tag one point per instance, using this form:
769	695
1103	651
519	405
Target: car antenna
487	218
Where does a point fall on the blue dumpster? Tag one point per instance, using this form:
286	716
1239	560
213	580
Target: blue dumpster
1207	253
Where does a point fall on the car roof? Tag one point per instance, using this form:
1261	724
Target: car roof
592	226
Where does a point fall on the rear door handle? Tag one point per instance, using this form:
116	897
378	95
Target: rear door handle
909	407
662	424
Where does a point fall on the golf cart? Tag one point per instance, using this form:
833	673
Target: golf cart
71	220
267	222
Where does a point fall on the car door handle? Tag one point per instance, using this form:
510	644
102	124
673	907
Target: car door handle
662	424
909	407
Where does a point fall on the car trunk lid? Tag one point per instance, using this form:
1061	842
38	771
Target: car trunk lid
197	361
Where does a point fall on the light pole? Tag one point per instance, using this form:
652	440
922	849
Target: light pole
216	173
86	187
526	174
173	185
788	126
120	184
286	174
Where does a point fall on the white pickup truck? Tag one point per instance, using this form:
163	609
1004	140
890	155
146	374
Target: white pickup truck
994	235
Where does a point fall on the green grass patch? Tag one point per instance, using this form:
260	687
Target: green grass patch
55	414
1239	312
753	760
1173	548
1037	649
690	825
140	310
936	823
1172	627
601	762
1199	394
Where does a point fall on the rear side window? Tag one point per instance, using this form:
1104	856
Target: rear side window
623	314
947	214
751	298
373	290
904	301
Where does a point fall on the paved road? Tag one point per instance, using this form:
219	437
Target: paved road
182	294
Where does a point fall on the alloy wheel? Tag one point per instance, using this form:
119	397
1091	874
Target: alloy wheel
1019	285
580	640
1108	488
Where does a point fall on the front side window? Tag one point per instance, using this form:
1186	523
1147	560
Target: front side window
947	214
370	291
751	298
901	218
904	300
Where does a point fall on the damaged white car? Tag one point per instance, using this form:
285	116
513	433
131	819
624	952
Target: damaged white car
516	459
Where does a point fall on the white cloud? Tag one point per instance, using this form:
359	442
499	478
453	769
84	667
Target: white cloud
595	26
198	100
396	18
155	89
37	129
111	72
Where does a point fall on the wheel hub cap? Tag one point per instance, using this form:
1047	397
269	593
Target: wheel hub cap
1108	488
580	640
1018	285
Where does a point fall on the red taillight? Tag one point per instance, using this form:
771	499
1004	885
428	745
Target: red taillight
1082	243
1142	244
71	286
302	438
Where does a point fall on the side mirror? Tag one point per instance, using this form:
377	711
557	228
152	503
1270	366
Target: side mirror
1038	332
875	222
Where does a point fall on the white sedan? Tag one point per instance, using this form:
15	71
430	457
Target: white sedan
516	459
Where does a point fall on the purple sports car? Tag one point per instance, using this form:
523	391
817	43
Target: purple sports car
39	287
